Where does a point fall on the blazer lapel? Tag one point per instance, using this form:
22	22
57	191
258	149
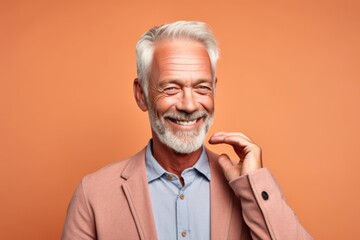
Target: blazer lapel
136	190
221	200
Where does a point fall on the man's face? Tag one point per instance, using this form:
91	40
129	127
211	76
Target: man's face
181	94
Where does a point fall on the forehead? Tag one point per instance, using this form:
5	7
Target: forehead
185	54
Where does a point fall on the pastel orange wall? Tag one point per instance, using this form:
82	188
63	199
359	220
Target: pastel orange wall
288	77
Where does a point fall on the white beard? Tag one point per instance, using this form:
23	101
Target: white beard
181	141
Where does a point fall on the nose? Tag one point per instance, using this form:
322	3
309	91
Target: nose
187	102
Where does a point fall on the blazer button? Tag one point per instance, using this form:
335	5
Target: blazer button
265	195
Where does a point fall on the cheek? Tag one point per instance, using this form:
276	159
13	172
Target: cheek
207	102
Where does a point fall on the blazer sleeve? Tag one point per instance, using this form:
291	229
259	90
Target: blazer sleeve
79	223
264	208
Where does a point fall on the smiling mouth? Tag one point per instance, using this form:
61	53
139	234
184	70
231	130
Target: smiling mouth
184	122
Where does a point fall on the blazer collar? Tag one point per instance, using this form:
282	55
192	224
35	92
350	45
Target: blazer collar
136	191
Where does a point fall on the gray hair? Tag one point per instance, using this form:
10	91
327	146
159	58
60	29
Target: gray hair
197	31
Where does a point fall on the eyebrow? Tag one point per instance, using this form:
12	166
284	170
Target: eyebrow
180	82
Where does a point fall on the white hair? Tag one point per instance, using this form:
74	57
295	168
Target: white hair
197	31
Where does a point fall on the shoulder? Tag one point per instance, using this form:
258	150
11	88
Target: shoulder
114	174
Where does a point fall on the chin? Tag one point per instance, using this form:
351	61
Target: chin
183	142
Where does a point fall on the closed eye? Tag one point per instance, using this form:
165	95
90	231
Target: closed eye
171	90
203	89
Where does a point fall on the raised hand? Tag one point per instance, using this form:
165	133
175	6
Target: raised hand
248	152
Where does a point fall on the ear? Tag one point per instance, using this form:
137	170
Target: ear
139	95
215	83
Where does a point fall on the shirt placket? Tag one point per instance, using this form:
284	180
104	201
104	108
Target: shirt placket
182	216
182	207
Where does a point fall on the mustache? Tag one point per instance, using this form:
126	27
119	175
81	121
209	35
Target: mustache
184	116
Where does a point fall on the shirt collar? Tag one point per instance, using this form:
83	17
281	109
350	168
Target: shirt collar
154	170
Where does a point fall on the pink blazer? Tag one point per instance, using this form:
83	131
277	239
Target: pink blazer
114	203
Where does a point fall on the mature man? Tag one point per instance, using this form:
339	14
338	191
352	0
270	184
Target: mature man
175	188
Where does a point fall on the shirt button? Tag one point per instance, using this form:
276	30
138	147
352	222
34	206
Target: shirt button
183	233
170	176
182	196
265	195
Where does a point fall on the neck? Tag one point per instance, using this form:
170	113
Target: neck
173	161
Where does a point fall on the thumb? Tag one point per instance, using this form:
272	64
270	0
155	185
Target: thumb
230	168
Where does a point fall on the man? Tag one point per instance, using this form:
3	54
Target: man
175	188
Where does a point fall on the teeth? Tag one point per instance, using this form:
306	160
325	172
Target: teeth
185	123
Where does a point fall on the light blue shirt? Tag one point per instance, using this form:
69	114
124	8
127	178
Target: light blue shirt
181	212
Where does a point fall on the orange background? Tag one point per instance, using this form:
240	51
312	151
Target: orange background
288	77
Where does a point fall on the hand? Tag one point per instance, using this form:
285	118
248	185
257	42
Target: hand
248	152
